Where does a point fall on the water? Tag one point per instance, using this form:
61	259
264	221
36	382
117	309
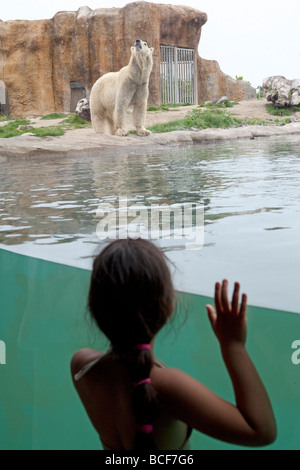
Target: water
249	189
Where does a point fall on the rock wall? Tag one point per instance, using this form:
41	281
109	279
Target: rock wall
39	59
212	82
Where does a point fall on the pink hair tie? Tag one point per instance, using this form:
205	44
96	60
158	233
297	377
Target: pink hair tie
141	382
142	347
145	428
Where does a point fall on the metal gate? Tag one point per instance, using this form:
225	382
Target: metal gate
178	75
4	102
77	93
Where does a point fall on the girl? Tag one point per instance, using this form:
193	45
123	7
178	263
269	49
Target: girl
134	401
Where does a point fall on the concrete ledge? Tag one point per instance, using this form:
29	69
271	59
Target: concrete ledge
85	141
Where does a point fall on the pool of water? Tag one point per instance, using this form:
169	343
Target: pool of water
249	190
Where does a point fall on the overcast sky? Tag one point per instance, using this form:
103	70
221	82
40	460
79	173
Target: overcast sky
253	39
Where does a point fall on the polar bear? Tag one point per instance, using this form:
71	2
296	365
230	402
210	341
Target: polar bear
115	92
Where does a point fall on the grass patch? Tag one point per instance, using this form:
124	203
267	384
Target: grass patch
226	104
72	122
168	127
287	111
217	118
198	119
11	129
254	122
275	111
179	105
52	131
75	122
54	116
3	117
210	119
162	107
283	121
167	107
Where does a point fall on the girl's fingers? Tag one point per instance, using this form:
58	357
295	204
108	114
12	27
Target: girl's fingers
222	302
211	315
218	301
224	297
243	309
235	299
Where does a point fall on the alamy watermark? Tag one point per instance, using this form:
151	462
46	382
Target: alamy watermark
125	219
2	353
296	354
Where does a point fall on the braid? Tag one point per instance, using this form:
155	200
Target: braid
145	401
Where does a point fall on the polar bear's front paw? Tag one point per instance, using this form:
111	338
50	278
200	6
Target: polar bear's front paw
122	132
143	132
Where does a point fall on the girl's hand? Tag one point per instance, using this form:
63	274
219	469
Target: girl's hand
228	321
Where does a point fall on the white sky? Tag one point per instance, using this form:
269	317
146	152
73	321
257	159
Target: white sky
253	39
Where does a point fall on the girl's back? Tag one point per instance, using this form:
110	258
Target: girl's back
105	389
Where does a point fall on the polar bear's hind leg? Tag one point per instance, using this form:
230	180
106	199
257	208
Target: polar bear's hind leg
98	125
139	117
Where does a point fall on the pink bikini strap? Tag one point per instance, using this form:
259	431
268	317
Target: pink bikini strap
142	347
145	428
141	382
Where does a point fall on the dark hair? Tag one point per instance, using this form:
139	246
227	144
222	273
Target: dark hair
131	297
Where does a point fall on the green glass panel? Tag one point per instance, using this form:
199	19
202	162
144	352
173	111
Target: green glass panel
43	321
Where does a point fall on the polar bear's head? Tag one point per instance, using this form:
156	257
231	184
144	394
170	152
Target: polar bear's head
141	47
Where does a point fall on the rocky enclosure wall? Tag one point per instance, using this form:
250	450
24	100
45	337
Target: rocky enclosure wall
39	59
212	82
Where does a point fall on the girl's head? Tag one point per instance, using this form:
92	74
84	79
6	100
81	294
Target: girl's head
131	294
131	297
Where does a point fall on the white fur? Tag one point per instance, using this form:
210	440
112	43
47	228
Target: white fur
115	92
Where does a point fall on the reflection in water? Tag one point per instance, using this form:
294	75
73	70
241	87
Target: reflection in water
54	200
249	190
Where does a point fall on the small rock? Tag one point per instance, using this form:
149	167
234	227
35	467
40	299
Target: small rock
221	100
24	128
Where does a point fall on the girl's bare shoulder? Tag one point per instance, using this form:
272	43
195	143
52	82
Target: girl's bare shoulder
83	357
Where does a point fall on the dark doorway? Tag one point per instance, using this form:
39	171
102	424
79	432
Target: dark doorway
78	92
4	101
